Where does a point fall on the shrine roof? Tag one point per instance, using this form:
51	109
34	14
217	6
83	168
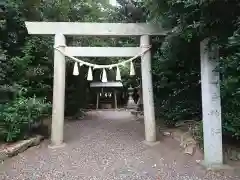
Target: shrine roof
106	84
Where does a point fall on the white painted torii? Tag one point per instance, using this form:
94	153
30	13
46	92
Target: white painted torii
210	79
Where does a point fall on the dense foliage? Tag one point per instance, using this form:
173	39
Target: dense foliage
19	116
177	68
26	61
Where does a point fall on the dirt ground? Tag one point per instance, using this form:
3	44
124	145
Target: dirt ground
108	145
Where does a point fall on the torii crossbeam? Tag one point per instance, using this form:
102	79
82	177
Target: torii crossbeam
210	79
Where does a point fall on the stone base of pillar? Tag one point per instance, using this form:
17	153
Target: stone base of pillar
214	167
148	143
52	146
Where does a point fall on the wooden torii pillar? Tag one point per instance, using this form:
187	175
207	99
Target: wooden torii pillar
59	29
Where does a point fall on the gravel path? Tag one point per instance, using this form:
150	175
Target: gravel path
106	146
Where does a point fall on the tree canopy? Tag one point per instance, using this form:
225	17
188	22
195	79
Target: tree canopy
27	61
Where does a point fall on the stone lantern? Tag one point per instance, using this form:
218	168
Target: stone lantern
131	104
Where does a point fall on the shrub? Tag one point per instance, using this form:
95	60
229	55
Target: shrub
197	132
18	116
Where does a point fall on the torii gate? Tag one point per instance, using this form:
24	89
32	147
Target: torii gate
210	79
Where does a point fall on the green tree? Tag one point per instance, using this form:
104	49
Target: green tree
177	70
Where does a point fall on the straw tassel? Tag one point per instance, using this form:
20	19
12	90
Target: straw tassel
75	69
90	75
104	76
132	69
118	75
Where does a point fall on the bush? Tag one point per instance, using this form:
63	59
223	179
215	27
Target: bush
18	116
197	132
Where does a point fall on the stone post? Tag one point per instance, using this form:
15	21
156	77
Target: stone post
97	104
147	90
58	93
211	106
115	100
